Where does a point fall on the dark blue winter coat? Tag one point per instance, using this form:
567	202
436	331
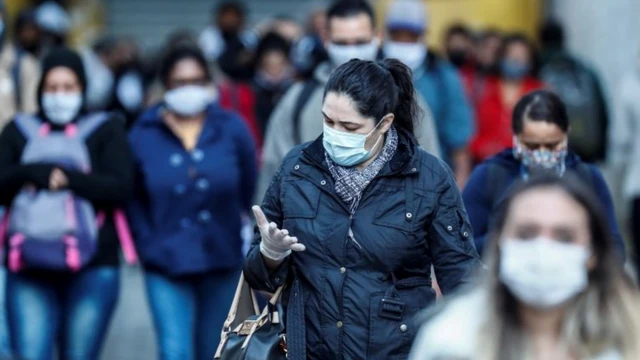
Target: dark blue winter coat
480	207
186	216
410	217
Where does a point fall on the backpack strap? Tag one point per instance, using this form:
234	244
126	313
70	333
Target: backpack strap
30	126
86	125
307	89
16	69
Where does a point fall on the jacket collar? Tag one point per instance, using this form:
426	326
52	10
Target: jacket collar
405	161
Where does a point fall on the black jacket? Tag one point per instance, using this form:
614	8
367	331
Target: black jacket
410	217
109	185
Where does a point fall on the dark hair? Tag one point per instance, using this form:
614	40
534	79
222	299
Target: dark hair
178	54
523	40
272	42
350	8
458	29
551	35
378	88
230	6
540	105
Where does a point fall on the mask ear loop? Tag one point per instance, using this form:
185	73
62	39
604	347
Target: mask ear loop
374	129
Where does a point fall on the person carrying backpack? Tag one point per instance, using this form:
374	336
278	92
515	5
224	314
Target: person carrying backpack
63	174
580	89
541	127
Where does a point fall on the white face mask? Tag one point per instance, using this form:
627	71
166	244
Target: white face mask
61	108
543	273
130	91
189	100
341	54
411	54
347	149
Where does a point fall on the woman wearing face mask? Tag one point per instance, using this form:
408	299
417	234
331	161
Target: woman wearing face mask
554	290
493	109
196	169
62	151
367	213
541	126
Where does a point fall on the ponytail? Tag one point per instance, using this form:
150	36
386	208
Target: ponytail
377	89
407	111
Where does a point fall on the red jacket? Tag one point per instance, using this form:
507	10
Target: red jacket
493	119
239	97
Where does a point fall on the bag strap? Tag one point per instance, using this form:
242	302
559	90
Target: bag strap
86	125
16	71
231	317
308	88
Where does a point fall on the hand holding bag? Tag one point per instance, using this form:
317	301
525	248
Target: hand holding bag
261	336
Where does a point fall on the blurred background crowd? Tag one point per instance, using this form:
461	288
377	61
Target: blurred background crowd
472	61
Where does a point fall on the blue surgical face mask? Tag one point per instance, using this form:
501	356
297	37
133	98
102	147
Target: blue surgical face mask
347	149
514	70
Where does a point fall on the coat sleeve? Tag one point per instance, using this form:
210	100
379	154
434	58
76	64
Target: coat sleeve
256	272
604	195
458	122
111	181
138	208
450	241
477	205
278	140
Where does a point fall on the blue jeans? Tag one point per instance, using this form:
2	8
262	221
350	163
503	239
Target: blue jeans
188	312
71	313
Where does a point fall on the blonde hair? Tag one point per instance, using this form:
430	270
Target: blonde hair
606	316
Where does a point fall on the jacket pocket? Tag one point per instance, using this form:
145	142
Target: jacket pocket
396	211
391	337
299	199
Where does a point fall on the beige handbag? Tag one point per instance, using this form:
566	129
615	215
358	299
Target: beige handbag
249	333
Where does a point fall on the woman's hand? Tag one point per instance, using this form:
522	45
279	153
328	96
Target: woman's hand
276	244
58	180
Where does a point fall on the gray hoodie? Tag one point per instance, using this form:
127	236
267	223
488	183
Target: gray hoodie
279	138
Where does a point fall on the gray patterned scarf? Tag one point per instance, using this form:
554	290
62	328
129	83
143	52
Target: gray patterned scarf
350	182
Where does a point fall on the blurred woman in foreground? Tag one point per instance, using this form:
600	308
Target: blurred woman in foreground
555	289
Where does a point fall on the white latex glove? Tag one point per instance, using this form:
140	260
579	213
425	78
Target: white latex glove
276	244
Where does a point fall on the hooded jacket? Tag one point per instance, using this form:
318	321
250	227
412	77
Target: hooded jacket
108	186
280	137
480	207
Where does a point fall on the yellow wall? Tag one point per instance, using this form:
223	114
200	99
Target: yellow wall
507	15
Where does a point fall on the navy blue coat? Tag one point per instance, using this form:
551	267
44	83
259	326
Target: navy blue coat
186	216
480	208
410	217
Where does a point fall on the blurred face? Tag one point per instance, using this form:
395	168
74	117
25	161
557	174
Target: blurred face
274	64
404	36
547	212
61	80
518	52
352	30
288	29
459	42
230	22
318	25
28	37
487	51
542	135
340	114
187	72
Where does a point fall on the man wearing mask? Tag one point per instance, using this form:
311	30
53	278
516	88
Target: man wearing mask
54	23
435	79
225	41
298	118
19	76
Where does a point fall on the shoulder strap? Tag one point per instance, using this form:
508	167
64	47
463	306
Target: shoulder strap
16	69
86	125
496	180
28	124
307	89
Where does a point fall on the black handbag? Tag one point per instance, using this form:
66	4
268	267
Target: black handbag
261	335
